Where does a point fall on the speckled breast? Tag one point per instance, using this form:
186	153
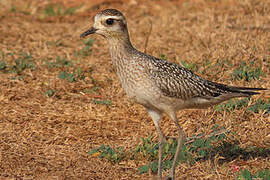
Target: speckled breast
134	80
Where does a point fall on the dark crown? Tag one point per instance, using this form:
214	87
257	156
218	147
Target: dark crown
111	12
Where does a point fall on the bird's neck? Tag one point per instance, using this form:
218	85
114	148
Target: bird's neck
122	54
121	48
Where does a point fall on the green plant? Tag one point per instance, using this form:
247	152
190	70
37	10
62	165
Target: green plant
233	104
17	65
202	146
148	148
71	10
196	148
59	63
246	72
105	102
58	10
260	105
190	66
214	67
109	153
162	56
13	9
246	175
72	77
25	62
90	91
193	149
3	65
49	11
50	92
86	50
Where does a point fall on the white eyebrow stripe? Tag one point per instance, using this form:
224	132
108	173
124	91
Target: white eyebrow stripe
115	17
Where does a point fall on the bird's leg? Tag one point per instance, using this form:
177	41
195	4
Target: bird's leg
155	115
180	141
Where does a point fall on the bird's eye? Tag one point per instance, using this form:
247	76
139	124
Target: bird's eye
109	21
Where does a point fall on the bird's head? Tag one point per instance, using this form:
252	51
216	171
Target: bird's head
109	23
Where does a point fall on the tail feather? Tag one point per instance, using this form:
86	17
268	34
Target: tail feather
246	90
220	89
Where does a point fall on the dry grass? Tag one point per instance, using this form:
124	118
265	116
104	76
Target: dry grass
45	137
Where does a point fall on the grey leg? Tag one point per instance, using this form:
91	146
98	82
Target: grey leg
180	141
155	115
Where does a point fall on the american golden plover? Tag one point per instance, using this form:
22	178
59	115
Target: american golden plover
158	85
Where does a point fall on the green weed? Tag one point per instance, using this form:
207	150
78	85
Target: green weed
3	65
104	102
13	9
162	56
25	62
190	66
196	148
109	153
86	50
260	105
193	149
246	72
58	10
50	92
149	150
210	67
90	91
233	104
59	63
17	65
73	76
246	175
203	145
87	91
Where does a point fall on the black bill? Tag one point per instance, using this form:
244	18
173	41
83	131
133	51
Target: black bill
92	30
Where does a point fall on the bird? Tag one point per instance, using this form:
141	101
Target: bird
162	87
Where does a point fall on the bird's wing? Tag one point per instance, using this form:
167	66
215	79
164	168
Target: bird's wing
176	81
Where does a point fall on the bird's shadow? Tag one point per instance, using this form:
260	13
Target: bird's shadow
219	148
230	151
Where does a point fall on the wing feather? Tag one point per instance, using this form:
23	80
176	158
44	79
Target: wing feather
176	81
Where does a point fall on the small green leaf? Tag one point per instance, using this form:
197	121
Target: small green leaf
50	92
93	151
246	174
143	169
3	65
63	75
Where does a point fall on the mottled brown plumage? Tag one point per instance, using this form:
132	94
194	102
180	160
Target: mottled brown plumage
158	85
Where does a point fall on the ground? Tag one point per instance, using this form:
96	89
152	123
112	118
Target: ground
60	97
